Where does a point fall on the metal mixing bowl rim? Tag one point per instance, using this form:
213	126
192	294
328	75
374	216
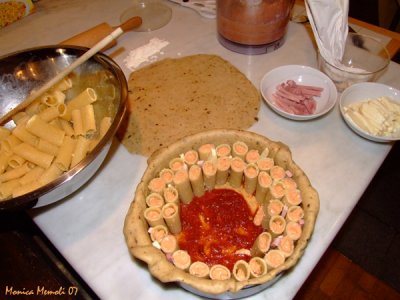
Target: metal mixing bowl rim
25	201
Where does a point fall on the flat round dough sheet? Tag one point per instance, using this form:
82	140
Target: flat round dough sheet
173	98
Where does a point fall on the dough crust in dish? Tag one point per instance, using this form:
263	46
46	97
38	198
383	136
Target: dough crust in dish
136	228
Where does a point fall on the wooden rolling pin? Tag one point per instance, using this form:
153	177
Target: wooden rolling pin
92	36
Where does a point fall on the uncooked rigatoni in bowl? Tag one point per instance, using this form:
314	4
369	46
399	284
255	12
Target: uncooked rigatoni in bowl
57	143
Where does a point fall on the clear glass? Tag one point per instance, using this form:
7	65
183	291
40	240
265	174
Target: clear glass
365	59
154	14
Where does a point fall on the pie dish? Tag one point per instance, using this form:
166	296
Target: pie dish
161	266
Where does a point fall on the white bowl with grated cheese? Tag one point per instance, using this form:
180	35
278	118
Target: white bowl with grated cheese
372	110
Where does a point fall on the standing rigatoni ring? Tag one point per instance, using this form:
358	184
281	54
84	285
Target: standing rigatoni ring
191	157
158	232
182	184
171	194
223	167
262	244
155	200
153	216
209	174
170	213
240	149
274	259
223	150
265	261
167	175
181	259
199	269
241	270
237	169
196	180
258	267
169	244
219	272
264	182
250	178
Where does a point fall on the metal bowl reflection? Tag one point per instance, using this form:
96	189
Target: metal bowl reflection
23	71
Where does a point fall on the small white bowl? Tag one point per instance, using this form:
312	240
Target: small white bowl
364	91
301	75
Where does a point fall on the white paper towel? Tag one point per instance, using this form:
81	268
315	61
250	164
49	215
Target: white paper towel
329	22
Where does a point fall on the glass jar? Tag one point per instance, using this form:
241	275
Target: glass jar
252	26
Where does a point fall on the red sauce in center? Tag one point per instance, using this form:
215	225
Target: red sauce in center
215	226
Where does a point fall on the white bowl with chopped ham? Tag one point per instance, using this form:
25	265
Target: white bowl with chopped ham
298	92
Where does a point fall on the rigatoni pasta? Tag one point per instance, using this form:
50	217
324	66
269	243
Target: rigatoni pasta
48	139
15	161
4	133
53	112
197	190
86	97
88	119
15	173
64	156
20	117
50	174
80	151
47	147
31	175
24	135
32	154
76	116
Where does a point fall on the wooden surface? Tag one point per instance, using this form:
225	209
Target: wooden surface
394	44
31	268
336	277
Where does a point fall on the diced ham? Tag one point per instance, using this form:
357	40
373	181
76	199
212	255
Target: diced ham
295	98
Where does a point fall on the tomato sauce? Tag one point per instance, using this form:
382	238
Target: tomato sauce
217	225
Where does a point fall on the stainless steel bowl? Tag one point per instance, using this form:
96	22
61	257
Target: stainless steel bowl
23	71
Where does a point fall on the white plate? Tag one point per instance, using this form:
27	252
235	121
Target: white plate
363	91
301	75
